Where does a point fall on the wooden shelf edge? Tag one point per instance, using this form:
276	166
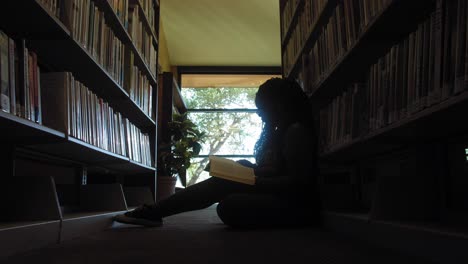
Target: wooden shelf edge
52	16
130	166
178	99
97	149
153	169
30	124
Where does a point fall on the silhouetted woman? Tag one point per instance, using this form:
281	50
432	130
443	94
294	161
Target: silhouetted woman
285	191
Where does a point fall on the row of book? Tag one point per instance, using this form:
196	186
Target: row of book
348	21
139	89
287	15
142	38
89	28
19	80
69	106
301	31
149	8
53	6
120	8
346	117
419	72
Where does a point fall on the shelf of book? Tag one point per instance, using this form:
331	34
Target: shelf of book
92	74
435	122
19	130
395	21
292	19
51	52
131	166
121	31
146	21
75	150
315	30
67	70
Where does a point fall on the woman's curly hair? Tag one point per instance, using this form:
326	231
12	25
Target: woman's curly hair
290	95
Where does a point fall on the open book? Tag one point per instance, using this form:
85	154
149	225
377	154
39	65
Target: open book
231	170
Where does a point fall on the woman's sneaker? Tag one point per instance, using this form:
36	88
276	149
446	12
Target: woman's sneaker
145	215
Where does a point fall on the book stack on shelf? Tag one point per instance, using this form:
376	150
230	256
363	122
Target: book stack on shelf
143	35
294	38
387	80
120	8
20	80
85	116
138	86
415	74
78	111
89	28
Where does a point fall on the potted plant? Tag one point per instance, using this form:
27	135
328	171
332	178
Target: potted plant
174	156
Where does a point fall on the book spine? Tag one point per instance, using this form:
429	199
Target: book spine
4	74
12	75
459	85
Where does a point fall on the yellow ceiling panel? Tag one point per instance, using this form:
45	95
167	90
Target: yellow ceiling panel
222	32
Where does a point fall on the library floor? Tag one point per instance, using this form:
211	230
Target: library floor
200	237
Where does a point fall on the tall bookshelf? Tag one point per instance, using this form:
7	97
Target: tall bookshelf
387	83
79	140
170	102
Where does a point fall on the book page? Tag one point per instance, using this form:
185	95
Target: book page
231	170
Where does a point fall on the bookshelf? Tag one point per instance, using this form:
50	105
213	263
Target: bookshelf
170	102
387	82
82	127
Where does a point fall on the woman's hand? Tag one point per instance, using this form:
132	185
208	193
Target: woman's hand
246	163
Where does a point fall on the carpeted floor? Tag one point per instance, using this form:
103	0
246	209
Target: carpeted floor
200	237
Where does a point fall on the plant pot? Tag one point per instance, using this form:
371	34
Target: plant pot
166	187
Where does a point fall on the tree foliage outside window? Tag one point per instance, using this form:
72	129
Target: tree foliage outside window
228	132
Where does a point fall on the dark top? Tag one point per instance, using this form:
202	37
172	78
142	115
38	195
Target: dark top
294	173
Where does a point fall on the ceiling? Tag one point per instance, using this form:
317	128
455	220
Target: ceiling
222	32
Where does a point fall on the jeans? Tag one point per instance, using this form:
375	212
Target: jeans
240	205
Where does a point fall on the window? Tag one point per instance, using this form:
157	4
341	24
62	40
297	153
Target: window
223	106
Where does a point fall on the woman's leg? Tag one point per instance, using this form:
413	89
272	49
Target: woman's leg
200	195
246	210
197	196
